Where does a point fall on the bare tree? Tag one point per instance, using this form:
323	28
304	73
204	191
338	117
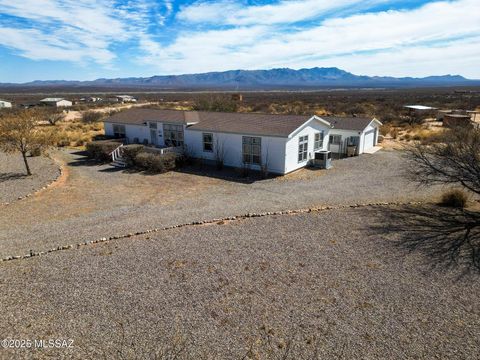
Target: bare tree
264	164
219	151
447	234
55	117
455	160
19	133
92	116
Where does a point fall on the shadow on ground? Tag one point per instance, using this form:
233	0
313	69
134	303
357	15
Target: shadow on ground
11	176
227	173
447	237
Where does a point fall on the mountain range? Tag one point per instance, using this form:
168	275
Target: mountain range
281	79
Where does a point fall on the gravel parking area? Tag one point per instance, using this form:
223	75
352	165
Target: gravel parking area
98	201
13	180
324	285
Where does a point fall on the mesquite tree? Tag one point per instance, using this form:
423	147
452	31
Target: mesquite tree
455	160
447	234
19	133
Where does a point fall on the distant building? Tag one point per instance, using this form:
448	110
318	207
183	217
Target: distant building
29	105
455	120
237	97
57	102
5	104
90	99
125	98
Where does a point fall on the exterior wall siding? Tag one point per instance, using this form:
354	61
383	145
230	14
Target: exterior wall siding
312	127
272	153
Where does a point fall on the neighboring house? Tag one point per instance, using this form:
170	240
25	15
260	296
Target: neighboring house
5	104
57	102
282	143
125	98
90	99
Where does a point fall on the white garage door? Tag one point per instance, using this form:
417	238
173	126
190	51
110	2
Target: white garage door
369	140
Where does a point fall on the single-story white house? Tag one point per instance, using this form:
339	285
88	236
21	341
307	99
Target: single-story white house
5	104
57	102
124	98
282	143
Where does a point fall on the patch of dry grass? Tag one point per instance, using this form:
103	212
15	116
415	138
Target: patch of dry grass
76	133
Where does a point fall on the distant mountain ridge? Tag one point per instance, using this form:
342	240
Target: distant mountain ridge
282	78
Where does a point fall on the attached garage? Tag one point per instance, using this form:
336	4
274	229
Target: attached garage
361	133
369	139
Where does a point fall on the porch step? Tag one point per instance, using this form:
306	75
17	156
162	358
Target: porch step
119	163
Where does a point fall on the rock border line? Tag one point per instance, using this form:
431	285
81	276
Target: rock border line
58	177
219	221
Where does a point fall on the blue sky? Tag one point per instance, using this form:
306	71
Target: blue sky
87	39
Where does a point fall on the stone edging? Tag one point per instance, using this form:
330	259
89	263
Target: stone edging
59	175
206	222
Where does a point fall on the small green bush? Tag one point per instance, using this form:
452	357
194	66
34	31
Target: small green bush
454	198
155	163
130	152
100	150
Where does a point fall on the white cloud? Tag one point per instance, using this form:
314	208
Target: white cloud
221	35
71	30
380	35
286	11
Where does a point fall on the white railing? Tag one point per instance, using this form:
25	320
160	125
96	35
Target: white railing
117	153
165	150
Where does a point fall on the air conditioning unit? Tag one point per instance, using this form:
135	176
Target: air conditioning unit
323	159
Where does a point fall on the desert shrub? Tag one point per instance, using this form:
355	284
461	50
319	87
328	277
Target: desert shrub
394	133
385	129
215	103
92	117
407	137
454	198
100	150
155	163
130	152
35	152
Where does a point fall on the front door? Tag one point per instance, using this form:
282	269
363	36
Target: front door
153	137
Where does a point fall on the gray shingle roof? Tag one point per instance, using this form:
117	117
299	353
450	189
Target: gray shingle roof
140	116
240	123
249	123
348	123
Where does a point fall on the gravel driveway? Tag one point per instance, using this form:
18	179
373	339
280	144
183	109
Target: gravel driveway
97	201
13	180
324	282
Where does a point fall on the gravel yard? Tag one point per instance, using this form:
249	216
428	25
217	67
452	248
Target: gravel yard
99	201
324	285
13	180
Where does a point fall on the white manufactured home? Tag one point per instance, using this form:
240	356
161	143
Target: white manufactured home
280	143
5	104
56	102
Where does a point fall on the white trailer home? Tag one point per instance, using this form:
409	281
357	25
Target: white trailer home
56	102
280	143
5	104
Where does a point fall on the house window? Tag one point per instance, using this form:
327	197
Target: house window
302	148
252	149
119	131
318	143
173	134
207	142
153	125
335	139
